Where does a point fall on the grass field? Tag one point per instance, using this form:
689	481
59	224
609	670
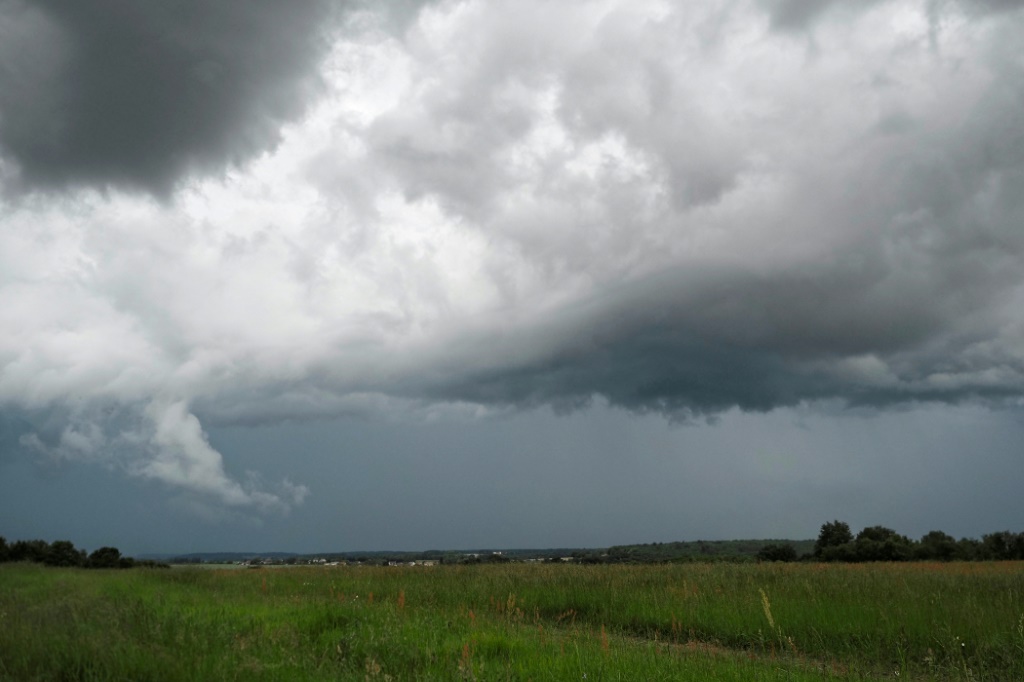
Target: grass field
516	622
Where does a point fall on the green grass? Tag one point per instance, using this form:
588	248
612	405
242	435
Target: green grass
517	622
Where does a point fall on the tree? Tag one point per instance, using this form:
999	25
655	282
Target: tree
969	549
105	557
878	543
777	552
29	550
1016	546
5	551
1003	546
936	546
834	534
63	553
844	552
879	534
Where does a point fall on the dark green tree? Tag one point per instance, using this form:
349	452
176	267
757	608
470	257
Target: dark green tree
969	549
1016	546
936	546
777	552
5	551
1003	546
878	543
834	534
29	550
844	552
878	534
105	557
63	553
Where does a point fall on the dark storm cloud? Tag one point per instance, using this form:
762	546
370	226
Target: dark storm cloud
138	93
682	346
878	326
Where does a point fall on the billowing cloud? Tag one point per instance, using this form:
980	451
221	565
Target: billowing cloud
678	209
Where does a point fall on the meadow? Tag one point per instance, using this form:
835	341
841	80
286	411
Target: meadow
919	621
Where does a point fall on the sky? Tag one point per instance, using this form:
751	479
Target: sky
338	276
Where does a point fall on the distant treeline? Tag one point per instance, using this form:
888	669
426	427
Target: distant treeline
64	553
877	543
695	551
835	543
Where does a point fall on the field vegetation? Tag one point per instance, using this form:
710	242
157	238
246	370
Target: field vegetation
767	621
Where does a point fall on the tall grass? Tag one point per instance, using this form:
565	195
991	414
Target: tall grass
551	622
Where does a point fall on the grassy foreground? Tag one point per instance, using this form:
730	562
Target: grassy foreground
516	622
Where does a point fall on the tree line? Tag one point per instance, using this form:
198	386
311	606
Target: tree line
836	542
64	553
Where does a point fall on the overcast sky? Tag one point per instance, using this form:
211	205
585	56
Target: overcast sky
320	276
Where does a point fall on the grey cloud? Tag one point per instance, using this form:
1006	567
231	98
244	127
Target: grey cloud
395	15
686	347
139	93
797	14
928	312
800	15
994	5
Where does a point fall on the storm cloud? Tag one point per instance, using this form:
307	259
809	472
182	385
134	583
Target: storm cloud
140	94
466	209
